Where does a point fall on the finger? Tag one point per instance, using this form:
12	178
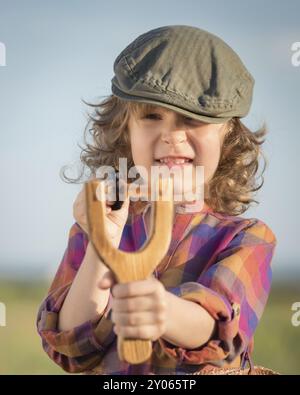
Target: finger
108	210
122	196
92	177
135	288
107	280
126	202
103	193
137	318
136	332
111	195
141	303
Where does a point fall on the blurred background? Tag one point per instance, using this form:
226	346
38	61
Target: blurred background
59	53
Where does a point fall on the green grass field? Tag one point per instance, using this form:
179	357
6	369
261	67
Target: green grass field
277	342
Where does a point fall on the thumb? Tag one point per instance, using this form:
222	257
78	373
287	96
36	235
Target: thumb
125	203
107	280
124	193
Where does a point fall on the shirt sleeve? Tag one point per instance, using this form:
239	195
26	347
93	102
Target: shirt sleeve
82	347
234	290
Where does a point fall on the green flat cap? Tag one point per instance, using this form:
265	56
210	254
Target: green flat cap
185	69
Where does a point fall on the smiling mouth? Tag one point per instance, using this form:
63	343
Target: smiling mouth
171	162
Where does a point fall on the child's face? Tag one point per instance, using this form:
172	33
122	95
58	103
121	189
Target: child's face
164	132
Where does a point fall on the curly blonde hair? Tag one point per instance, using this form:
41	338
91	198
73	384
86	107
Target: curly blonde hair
230	190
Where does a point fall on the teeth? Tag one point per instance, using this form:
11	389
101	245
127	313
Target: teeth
174	160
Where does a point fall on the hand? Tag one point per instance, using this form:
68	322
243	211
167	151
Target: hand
139	309
115	219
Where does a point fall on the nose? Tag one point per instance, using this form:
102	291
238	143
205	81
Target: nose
174	137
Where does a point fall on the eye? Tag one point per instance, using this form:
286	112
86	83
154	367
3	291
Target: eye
188	119
152	116
192	121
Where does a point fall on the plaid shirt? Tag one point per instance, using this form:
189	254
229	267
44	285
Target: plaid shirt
221	262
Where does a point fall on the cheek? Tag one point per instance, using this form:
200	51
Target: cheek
141	149
208	155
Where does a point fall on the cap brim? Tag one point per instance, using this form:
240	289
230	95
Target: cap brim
183	111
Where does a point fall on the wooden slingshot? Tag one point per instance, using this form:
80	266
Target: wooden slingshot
138	265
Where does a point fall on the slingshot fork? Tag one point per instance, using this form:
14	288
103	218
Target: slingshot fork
134	266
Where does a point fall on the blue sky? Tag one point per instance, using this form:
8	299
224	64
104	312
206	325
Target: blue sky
60	52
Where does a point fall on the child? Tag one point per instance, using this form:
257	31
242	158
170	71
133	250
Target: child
178	91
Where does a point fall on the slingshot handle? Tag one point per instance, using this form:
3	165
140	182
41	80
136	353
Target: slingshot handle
134	266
